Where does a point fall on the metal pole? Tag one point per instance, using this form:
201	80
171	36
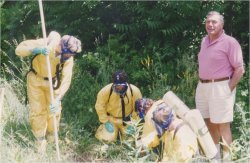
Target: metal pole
50	78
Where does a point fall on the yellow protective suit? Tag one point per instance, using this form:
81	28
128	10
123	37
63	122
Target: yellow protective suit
149	136
181	148
110	109
38	88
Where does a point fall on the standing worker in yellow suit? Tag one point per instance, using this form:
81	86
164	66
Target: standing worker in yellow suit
115	105
161	124
61	51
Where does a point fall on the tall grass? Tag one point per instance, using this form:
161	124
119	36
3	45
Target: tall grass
241	145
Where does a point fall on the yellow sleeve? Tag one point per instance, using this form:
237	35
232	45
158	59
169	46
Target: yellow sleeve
150	140
25	48
149	136
136	95
66	78
155	142
101	103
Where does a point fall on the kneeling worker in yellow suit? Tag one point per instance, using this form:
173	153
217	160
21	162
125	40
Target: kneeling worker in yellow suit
60	51
115	106
161	124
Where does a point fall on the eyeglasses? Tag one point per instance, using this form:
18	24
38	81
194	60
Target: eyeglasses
120	88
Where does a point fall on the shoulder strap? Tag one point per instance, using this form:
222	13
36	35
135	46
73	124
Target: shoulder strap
130	89
177	128
58	75
58	72
34	71
111	91
31	65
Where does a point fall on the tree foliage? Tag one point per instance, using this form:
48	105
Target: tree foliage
155	42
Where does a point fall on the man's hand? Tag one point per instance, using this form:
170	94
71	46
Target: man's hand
109	127
130	130
238	73
54	107
44	50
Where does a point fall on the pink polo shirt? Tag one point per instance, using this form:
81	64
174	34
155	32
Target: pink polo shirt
219	58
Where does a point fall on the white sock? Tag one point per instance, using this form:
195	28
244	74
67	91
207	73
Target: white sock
218	156
226	156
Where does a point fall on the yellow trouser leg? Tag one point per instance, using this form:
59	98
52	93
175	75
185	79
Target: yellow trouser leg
41	145
103	135
38	93
50	130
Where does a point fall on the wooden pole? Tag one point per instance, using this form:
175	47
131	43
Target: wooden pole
50	78
1	108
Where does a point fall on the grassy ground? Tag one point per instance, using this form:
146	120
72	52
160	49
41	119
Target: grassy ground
78	144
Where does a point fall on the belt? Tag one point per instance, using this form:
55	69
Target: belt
128	118
214	80
44	78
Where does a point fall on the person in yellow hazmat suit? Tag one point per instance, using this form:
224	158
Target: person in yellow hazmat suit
161	124
60	51
115	106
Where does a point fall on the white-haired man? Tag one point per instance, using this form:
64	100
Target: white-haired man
220	70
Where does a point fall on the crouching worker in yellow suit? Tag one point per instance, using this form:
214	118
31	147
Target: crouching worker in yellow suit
161	124
115	105
61	51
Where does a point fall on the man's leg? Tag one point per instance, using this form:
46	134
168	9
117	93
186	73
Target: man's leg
214	130
221	108
38	112
226	135
215	134
225	132
50	130
106	135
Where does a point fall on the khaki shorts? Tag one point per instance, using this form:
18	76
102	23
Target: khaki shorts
215	101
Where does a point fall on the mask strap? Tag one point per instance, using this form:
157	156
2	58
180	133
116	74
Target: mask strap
67	42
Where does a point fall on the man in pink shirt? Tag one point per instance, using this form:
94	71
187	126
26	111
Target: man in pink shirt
220	70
